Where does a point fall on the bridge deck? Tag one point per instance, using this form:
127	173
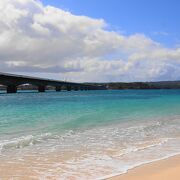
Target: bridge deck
12	81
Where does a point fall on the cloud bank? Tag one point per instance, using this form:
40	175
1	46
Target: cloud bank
36	38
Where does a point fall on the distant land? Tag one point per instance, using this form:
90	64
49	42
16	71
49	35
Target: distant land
142	85
119	85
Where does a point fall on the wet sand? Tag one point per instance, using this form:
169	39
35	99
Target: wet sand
168	169
32	169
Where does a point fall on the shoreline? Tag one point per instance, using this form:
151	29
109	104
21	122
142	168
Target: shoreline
165	169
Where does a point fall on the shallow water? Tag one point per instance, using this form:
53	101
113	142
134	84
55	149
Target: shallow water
86	134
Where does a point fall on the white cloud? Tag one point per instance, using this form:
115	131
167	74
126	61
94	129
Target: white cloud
45	39
161	33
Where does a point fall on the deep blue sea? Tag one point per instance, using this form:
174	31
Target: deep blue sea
86	134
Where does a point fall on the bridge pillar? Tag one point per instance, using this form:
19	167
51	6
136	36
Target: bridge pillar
41	88
58	88
68	88
11	89
76	88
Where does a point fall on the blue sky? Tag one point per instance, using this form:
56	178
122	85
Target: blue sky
156	18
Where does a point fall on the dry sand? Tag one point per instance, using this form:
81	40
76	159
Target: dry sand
168	169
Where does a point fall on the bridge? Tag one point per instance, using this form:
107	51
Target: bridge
12	81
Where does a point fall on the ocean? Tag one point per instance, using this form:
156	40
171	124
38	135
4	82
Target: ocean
86	134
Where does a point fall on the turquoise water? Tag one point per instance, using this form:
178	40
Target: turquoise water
100	128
